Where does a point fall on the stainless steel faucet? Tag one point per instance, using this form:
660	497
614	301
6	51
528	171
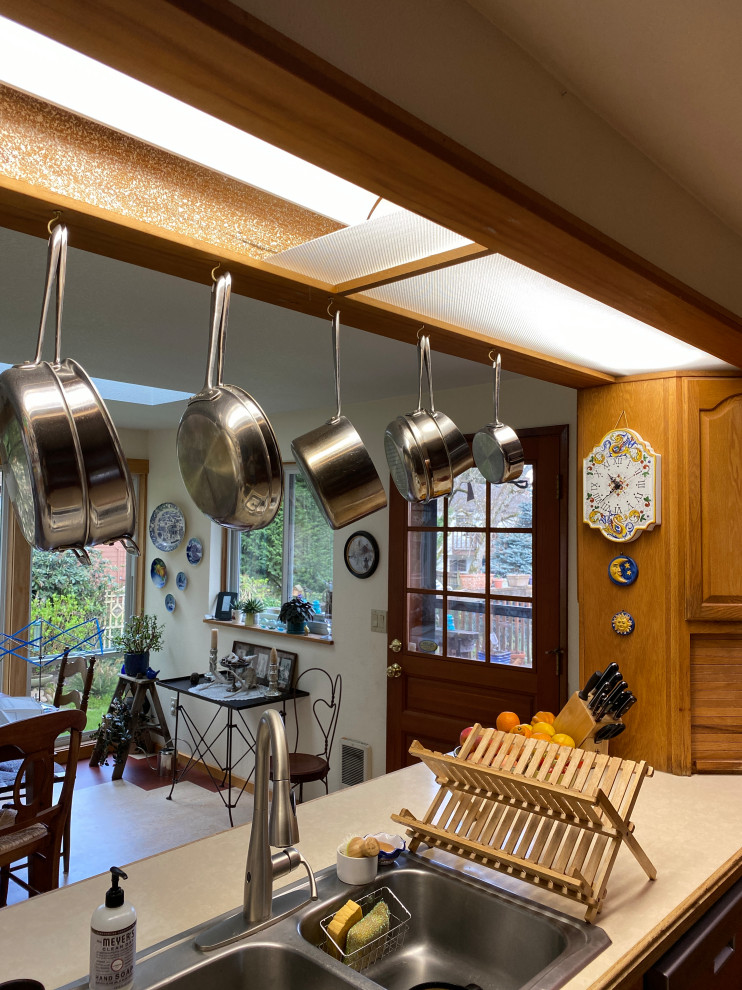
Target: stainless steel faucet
262	867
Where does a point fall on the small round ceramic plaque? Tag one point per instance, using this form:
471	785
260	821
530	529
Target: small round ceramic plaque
623	570
623	623
170	603
181	580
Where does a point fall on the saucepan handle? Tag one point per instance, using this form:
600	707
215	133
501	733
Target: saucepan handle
56	268
496	365
336	361
220	295
429	371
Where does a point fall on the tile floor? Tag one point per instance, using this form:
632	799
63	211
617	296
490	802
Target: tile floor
119	822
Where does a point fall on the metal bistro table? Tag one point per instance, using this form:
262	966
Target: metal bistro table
202	742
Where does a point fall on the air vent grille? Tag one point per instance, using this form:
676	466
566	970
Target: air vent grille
356	762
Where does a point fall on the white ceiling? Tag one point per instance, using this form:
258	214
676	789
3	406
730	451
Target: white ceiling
130	324
666	74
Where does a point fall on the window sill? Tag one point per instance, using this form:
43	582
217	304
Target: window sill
311	637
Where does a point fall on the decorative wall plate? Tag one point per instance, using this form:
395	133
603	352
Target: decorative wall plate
181	580
621	486
158	572
623	623
194	551
623	570
170	603
167	526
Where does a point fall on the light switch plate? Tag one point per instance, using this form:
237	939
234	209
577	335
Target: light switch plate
378	620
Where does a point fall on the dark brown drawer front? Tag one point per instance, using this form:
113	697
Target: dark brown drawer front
709	955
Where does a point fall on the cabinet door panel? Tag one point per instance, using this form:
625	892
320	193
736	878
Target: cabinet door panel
714	474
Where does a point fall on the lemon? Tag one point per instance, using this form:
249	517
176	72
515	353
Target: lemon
543	727
563	739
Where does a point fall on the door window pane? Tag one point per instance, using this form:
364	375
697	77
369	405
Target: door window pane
512	507
425	618
425	560
465	628
511	564
466	560
427	513
467	504
511	633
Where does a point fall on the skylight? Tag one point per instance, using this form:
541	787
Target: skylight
141	395
35	64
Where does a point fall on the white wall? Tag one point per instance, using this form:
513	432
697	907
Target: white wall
358	653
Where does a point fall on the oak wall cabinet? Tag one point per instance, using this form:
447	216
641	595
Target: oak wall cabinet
684	659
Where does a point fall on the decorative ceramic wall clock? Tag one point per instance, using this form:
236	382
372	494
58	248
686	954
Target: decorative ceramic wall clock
621	485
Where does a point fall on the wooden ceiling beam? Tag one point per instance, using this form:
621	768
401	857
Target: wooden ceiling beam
28	209
217	57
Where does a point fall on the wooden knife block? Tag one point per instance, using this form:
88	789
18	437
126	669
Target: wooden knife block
577	721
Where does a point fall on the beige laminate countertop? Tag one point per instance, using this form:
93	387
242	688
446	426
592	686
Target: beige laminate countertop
689	827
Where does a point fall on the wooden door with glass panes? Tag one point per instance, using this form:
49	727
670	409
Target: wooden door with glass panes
478	601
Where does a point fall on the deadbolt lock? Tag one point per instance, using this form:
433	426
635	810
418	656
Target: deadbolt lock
396	645
394	670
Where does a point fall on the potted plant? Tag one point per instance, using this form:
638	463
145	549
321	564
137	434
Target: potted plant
250	607
296	612
140	634
114	733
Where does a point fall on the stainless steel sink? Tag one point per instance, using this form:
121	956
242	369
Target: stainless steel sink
461	931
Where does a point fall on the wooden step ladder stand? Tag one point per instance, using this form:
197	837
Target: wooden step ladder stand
547	814
139	687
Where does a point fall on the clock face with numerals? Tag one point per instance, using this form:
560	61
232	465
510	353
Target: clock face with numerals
621	485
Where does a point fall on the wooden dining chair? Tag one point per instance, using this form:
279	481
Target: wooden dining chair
306	767
32	823
64	694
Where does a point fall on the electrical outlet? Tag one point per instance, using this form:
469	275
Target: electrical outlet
378	620
173	704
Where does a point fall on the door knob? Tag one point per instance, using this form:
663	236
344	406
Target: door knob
396	645
394	670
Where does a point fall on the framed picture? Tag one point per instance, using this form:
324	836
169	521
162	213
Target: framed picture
225	602
262	654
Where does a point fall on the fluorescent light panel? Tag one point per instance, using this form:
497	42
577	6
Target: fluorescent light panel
141	395
37	65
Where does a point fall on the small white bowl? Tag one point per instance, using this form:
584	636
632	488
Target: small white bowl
356	870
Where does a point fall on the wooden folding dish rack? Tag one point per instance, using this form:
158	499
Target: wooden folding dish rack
548	814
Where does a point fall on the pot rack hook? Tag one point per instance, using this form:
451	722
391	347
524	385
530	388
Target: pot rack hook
330	304
420	332
492	356
55	219
214	270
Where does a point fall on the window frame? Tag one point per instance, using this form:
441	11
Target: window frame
290	472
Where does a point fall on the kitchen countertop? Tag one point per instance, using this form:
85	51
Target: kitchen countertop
688	826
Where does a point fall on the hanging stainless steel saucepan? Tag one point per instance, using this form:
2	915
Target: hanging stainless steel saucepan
65	471
417	451
228	454
498	453
336	465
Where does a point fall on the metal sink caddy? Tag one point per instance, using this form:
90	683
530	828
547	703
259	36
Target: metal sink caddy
462	931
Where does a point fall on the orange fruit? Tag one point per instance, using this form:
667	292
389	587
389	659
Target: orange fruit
506	721
524	729
541	735
563	739
543	717
543	727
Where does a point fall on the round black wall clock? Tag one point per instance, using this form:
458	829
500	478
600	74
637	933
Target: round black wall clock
361	554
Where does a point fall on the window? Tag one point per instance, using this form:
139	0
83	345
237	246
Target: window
292	556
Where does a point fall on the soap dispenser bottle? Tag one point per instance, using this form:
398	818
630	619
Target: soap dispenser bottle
113	939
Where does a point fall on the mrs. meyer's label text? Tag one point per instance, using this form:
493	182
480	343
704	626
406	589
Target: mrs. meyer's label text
112	958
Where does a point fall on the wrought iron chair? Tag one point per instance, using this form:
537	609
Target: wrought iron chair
63	695
306	767
32	824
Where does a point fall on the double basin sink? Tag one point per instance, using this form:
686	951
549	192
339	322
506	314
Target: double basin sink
462	932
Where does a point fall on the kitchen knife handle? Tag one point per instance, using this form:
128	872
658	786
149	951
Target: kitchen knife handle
590	684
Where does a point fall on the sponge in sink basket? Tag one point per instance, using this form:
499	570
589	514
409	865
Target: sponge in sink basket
374	925
348	915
